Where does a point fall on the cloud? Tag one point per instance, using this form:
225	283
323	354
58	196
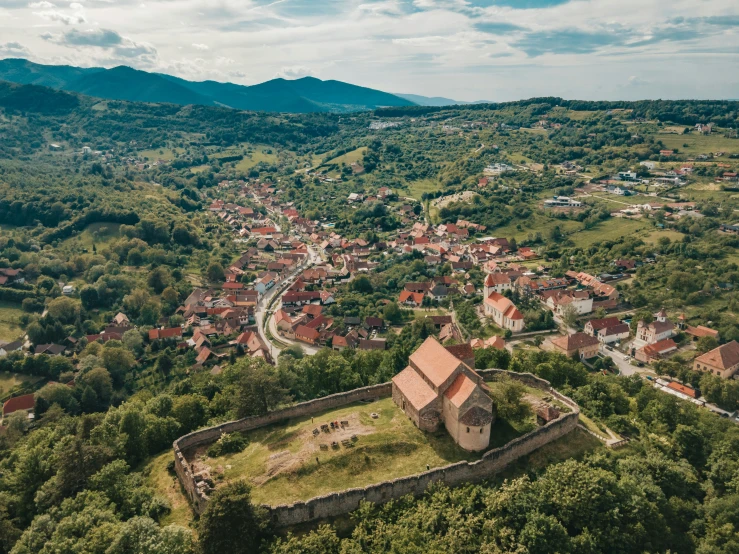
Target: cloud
201	47
43	5
14	49
66	19
294	72
106	39
635	81
567	41
496	27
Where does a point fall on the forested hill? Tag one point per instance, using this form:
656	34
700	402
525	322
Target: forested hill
278	95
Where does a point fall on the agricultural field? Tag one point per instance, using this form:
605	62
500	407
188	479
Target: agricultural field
694	144
167	154
285	462
610	229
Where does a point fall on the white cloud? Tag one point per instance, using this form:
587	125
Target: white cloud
294	72
453	48
60	17
14	49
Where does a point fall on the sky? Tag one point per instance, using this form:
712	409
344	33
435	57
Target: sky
495	50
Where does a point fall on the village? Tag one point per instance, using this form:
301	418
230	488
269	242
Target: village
277	293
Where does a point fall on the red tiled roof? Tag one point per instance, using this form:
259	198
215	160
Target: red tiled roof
504	305
156	334
307	332
682	388
701	331
723	357
460	390
434	361
414	388
17	403
574	341
416	297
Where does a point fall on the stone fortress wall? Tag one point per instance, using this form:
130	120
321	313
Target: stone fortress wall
342	502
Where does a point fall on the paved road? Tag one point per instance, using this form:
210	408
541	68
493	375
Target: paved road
263	304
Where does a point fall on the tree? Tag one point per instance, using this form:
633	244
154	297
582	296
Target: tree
118	361
64	309
231	524
215	272
362	284
569	315
134	341
99	381
705	344
259	388
508	400
190	411
392	313
159	278
142	535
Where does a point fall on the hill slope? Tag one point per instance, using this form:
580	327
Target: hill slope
278	95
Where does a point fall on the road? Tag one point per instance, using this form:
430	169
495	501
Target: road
261	312
626	369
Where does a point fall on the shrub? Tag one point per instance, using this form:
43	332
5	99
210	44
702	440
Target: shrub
229	443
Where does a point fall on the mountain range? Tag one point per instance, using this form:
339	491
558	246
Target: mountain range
307	94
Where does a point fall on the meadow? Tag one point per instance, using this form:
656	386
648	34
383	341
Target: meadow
285	462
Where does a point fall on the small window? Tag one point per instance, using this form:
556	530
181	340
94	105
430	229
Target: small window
468	429
481	430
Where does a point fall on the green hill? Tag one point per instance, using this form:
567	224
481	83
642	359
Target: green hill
278	95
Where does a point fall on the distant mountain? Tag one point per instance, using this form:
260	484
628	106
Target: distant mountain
124	83
429	101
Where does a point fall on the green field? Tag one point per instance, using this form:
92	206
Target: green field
280	460
9	380
417	188
699	144
167	154
348	158
536	223
654	236
10	328
95	233
610	229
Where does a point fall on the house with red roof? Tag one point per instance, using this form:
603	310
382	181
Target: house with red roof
159	334
408	298
438	388
18	403
503	312
722	361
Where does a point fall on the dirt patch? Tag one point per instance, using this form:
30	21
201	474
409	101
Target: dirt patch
465	196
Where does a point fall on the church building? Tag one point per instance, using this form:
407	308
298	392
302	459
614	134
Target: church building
437	388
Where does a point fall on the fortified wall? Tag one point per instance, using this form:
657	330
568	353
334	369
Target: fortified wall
345	501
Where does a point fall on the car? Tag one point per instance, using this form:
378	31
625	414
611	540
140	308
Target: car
627	357
609	348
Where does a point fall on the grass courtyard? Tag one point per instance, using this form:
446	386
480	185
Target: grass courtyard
285	463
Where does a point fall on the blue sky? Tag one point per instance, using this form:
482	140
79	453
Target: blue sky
464	49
